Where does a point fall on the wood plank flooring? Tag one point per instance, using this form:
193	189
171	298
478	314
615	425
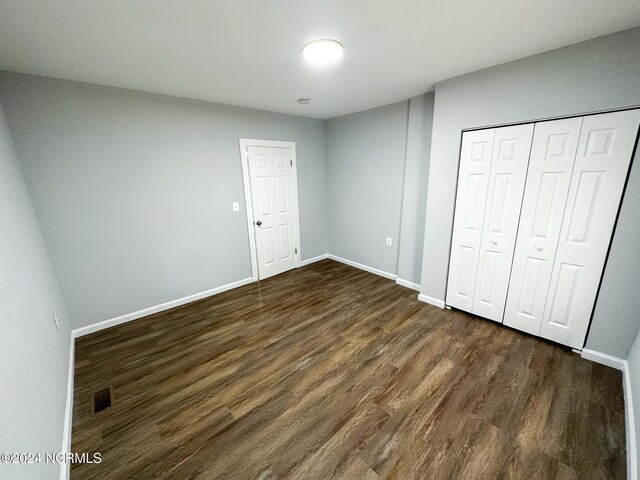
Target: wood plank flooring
331	372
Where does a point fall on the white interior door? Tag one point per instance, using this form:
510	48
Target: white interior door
473	180
553	153
275	221
511	148
602	161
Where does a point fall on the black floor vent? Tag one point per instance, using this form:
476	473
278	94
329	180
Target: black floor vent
101	400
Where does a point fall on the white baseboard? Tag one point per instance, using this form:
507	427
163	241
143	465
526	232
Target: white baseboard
604	359
65	467
431	301
629	417
366	268
314	259
112	322
632	452
408	284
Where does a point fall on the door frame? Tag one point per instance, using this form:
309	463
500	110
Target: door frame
245	143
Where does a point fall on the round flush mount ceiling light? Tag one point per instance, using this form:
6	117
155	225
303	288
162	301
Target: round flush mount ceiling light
303	101
322	52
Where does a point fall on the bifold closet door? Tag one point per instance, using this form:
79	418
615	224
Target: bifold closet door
493	167
553	153
511	148
473	181
599	173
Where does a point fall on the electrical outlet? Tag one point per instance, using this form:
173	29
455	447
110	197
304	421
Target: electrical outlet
55	320
235	206
389	241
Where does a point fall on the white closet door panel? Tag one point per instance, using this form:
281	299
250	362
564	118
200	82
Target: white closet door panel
511	148
604	153
473	180
553	153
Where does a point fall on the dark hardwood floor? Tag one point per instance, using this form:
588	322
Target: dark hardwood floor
332	372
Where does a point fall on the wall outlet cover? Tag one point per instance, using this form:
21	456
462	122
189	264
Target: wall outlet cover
389	241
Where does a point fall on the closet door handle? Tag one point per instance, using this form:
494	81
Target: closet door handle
494	242
538	248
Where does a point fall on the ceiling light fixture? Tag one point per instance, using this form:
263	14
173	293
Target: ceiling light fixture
322	52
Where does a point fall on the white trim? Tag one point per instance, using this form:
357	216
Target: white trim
65	467
309	261
408	284
604	359
254	142
296	205
245	143
366	268
249	208
431	301
629	416
112	322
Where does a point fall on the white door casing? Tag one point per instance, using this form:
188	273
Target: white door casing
271	196
602	162
473	181
553	153
511	149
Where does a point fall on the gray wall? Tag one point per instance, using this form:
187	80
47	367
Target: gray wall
365	172
34	356
414	198
589	76
134	190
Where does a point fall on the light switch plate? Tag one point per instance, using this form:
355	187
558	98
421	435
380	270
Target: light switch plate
389	242
235	206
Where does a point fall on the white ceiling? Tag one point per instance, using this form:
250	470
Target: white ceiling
248	52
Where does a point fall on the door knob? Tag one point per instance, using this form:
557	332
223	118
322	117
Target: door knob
538	248
258	223
494	242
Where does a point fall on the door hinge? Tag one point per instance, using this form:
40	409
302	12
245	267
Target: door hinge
296	250
291	162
